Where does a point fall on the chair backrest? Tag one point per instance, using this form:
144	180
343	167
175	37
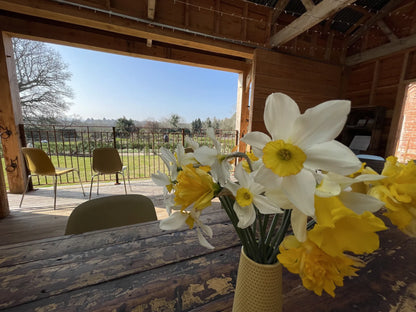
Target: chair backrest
111	211
37	161
106	160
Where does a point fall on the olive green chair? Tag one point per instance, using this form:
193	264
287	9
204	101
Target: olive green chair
110	211
106	160
39	164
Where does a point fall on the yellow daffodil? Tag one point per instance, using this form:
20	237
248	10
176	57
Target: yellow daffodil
339	229
248	194
318	270
300	144
195	186
398	192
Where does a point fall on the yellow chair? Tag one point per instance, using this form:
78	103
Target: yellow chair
39	164
110	211
106	160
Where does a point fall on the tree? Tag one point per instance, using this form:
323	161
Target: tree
42	78
196	125
208	123
174	120
125	125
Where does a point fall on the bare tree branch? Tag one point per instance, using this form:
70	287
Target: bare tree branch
42	79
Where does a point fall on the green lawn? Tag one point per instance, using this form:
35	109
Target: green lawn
138	167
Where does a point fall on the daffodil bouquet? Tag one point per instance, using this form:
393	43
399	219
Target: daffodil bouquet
299	197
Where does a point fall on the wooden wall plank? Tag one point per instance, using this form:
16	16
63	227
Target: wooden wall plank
308	82
393	73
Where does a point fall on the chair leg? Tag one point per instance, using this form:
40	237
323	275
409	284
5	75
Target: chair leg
92	180
98	183
128	179
124	180
24	191
80	182
55	184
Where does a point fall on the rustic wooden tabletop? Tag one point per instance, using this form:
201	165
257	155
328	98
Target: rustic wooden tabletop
142	268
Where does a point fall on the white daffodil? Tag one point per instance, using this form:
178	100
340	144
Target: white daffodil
220	168
298	219
176	161
170	161
337	185
300	144
248	193
190	218
193	144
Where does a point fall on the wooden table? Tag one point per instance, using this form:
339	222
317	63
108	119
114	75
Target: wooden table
141	268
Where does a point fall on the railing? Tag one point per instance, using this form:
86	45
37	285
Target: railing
139	150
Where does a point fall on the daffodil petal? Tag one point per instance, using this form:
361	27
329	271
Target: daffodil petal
167	156
211	135
280	124
267	178
359	203
278	196
299	220
321	123
173	222
265	206
203	241
257	140
328	188
241	175
332	156
160	179
232	187
193	144
246	215
205	155
300	190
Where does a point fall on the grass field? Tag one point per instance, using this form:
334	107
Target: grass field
138	167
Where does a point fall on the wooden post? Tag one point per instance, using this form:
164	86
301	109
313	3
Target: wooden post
4	203
10	117
242	112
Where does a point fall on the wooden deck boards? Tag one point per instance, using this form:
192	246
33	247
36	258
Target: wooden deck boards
37	219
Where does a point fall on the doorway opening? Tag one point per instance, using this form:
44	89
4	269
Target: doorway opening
406	145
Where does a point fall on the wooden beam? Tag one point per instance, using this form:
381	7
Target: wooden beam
127	26
390	6
309	19
308	4
278	9
151	7
387	31
11	117
389	48
60	33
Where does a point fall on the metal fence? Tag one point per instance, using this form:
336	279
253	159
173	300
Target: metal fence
139	150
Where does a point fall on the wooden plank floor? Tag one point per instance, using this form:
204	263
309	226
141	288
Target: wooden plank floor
37	219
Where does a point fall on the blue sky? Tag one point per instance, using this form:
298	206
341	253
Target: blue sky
112	86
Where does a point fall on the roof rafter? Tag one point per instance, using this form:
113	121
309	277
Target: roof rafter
151	6
392	47
278	9
309	19
390	6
